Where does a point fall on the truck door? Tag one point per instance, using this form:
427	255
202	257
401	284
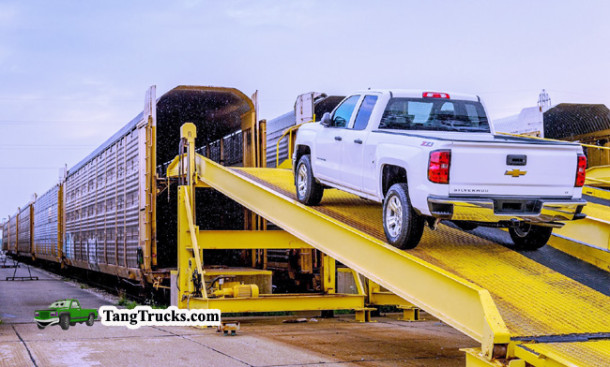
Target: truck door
75	311
354	138
329	142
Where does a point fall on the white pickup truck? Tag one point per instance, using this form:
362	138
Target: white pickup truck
429	156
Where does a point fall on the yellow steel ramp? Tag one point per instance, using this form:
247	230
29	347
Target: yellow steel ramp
493	294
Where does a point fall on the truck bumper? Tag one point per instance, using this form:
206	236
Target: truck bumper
47	322
505	209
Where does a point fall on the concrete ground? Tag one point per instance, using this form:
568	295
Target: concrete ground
262	341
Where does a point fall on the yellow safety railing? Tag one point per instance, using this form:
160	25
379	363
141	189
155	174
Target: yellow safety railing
590	180
546	139
288	132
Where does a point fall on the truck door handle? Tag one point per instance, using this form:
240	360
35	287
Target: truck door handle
338	138
358	141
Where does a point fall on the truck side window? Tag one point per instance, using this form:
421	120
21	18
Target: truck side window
75	304
344	112
364	113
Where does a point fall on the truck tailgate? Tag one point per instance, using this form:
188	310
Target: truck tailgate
485	169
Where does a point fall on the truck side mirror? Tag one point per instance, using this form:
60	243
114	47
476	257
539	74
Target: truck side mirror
326	120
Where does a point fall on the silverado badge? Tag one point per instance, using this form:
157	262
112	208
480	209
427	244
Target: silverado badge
515	173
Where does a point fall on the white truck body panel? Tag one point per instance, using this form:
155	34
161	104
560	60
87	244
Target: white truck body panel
353	159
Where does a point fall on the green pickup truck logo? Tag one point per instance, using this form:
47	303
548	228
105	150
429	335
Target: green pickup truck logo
66	313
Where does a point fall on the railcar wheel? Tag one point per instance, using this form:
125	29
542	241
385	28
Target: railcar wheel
528	237
309	192
402	225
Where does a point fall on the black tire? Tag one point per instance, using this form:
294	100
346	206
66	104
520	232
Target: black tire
64	322
309	192
466	226
403	227
90	320
527	237
40	326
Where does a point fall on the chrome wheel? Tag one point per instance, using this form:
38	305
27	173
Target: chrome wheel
302	180
393	216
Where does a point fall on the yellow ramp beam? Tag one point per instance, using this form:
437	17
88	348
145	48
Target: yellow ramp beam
587	239
236	240
457	302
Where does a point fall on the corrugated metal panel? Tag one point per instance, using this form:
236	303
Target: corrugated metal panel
568	120
124	130
5	236
277	126
24	236
275	129
12	238
45	224
101	205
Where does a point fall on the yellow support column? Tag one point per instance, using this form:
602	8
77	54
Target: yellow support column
188	250
328	274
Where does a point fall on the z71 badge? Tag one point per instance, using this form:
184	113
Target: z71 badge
427	143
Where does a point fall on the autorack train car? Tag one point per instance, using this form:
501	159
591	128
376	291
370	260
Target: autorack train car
115	211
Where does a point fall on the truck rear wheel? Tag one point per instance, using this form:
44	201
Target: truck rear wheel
90	320
309	192
402	225
64	322
528	237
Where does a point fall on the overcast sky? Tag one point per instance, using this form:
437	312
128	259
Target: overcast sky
73	72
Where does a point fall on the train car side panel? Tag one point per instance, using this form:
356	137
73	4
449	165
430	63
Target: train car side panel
24	235
46	225
101	209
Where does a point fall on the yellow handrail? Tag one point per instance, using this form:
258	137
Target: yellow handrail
590	179
288	131
561	141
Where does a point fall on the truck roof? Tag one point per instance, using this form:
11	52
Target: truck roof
418	93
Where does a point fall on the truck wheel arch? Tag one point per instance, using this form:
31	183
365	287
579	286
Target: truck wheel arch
390	175
300	151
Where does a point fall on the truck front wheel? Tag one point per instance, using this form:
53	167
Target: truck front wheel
309	192
402	225
64	322
528	237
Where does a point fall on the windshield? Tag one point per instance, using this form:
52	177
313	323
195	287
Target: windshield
58	304
434	114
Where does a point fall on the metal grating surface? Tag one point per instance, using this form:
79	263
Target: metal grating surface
584	354
12	233
45	224
532	299
23	236
5	236
101	204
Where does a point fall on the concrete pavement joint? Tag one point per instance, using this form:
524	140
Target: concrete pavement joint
203	345
26	347
356	361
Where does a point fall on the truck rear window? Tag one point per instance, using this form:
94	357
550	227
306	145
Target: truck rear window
434	114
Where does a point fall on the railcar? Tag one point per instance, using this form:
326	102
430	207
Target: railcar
115	211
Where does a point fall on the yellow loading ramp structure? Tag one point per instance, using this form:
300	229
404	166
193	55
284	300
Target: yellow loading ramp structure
521	312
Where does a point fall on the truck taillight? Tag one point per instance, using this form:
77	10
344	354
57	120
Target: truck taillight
435	95
438	166
580	171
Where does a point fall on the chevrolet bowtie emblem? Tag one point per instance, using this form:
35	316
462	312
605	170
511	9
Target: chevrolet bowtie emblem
515	173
